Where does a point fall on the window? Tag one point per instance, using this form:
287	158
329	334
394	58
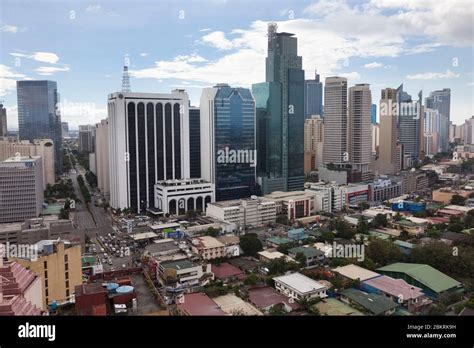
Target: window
66	258
66	267
46	274
67	284
46	283
67	293
45	264
47	294
67	275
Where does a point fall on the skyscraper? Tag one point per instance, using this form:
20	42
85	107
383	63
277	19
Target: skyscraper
194	142
102	157
3	121
373	114
228	141
441	100
359	132
148	142
280	115
313	97
38	114
410	126
335	149
388	152
313	143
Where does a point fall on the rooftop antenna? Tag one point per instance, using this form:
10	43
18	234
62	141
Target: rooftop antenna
126	80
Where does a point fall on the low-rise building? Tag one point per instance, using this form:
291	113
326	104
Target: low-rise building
299	287
227	272
231	244
183	274
369	303
312	255
233	305
250	212
208	247
432	281
354	272
265	298
294	204
398	290
198	304
267	256
176	197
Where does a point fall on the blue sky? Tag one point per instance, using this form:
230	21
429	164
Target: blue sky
82	45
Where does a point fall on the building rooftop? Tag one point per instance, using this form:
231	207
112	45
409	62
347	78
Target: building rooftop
162	247
229	239
177	264
355	272
144	235
226	270
395	287
234	305
309	252
199	304
424	274
272	255
404	244
376	304
206	242
300	282
266	296
279	240
332	306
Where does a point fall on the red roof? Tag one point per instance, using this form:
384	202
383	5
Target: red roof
450	212
438	220
199	304
266	296
226	270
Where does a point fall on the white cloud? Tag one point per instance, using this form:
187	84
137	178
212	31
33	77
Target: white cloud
352	76
373	65
44	57
50	70
433	75
79	112
93	8
203	30
143	54
6	28
8	79
217	39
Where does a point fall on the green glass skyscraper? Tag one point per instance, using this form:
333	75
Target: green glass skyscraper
280	116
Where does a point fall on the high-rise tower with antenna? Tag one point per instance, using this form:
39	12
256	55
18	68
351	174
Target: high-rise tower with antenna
126	80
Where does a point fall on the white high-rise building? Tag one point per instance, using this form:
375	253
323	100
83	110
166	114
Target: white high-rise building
102	156
360	144
148	142
335	149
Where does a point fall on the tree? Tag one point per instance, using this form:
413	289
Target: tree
364	206
362	225
383	252
64	214
250	244
380	220
213	232
458	200
252	279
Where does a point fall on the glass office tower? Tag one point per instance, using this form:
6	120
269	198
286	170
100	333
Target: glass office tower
38	114
228	135
282	97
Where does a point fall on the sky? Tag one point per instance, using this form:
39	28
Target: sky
426	45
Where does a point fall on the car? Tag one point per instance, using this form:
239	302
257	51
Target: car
102	250
110	262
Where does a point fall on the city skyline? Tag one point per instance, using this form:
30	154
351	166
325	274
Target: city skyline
433	54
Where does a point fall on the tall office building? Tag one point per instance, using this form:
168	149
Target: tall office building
280	116
313	143
148	142
102	156
38	114
359	132
388	152
228	141
441	101
21	188
410	127
87	138
65	130
313	97
3	121
373	114
194	142
335	121
431	131
40	147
